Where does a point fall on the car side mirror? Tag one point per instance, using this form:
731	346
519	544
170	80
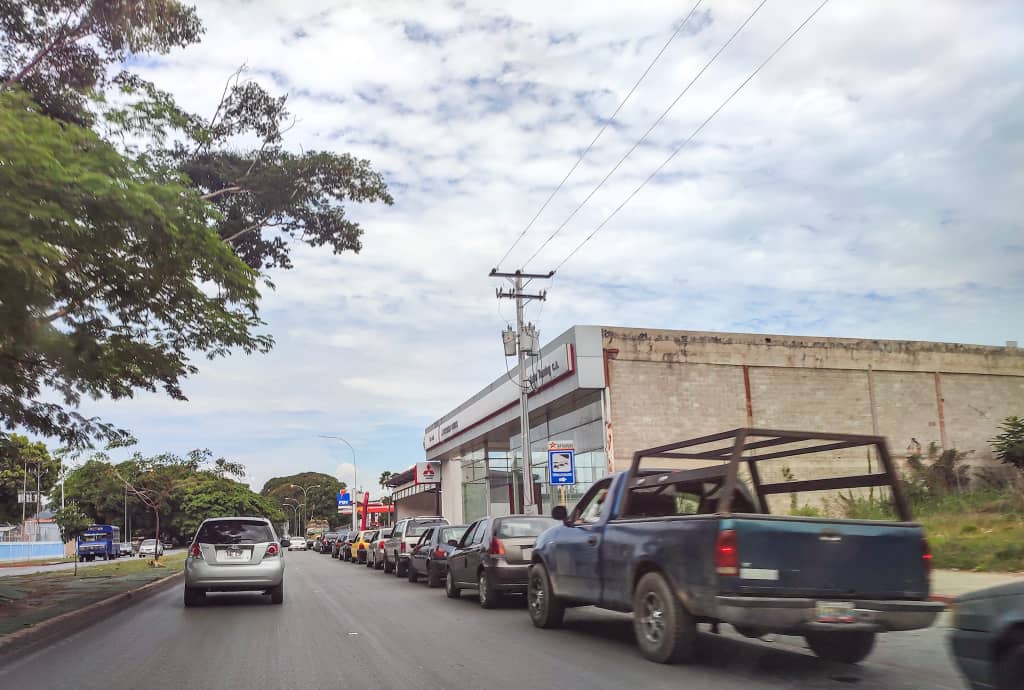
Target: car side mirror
453	542
559	513
285	543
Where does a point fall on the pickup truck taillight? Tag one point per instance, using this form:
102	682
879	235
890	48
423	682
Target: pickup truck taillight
380	545
195	551
403	547
497	547
727	559
926	556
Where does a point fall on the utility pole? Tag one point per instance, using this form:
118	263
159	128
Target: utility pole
525	343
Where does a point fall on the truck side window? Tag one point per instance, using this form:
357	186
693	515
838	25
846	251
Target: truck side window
593	505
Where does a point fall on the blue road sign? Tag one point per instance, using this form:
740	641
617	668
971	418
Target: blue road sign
562	466
344	499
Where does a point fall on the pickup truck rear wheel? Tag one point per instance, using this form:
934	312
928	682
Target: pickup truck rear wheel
546	611
388	565
665	630
848	647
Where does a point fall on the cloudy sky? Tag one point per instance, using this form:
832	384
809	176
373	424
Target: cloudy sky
866	183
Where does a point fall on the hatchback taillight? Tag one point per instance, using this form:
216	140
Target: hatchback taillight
380	545
195	551
440	553
273	550
727	558
497	547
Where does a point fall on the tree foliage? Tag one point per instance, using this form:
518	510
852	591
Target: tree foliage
61	51
114	277
1008	446
71	521
176	492
321	493
17	452
267	196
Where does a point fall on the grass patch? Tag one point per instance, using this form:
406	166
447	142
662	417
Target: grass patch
980	530
127	566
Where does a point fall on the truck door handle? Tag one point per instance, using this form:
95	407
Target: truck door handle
592	540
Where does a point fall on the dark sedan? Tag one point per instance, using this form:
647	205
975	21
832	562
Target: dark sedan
493	556
342	548
327	544
429	558
988	637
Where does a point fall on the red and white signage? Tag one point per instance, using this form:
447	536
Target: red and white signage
428	473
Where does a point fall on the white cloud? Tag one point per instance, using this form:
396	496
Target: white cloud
866	183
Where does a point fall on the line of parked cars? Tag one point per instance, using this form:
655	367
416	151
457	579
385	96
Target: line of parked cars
491	555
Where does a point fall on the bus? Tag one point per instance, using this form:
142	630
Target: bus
99	540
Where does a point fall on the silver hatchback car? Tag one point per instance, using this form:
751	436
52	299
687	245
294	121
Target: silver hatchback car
235	554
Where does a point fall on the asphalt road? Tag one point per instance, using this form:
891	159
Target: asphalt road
344	626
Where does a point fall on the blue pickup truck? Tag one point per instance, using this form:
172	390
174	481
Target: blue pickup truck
681	546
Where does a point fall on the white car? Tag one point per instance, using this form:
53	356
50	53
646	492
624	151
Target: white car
124	548
151	547
297	544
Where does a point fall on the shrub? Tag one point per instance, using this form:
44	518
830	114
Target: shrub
1009	445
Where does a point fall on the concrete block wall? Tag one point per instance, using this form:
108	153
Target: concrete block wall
666	386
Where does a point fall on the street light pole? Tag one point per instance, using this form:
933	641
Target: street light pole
355	482
294	515
305	498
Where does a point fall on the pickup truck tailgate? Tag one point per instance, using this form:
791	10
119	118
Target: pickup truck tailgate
808	557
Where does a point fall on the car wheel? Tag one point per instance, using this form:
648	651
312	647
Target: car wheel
400	571
1010	665
388	565
485	592
450	589
277	594
546	611
193	596
848	647
413	575
433	578
665	631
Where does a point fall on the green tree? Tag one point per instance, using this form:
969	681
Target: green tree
1009	445
115	278
385	477
98	492
19	459
62	51
207	496
321	496
72	523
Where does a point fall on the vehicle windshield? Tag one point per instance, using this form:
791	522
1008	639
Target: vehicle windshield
149	542
95	537
511	528
234	532
416	529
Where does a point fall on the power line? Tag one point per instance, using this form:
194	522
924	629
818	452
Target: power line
693	134
599	133
641	140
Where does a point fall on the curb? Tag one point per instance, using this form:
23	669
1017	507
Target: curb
73	621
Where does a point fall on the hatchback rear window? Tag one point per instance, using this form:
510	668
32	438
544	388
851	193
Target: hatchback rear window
452	533
235	532
511	528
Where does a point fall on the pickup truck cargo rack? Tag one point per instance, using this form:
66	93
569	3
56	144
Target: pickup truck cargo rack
746	440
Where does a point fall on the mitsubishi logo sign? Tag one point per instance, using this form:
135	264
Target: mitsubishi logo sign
428	473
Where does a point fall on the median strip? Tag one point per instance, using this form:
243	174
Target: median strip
40	607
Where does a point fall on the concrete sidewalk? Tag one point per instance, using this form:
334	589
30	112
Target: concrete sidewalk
953	583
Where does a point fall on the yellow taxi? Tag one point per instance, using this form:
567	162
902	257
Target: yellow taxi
360	546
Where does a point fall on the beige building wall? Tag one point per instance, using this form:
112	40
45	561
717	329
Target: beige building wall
667	386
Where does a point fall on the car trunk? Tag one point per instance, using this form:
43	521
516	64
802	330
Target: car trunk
807	557
233	554
518	549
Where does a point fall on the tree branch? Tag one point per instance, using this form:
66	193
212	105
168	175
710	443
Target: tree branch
47	49
227	190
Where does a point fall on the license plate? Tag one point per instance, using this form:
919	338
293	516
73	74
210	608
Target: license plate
834	611
527	554
235	554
